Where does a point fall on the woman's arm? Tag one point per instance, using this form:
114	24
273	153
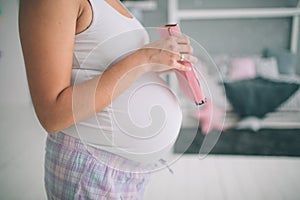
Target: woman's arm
47	33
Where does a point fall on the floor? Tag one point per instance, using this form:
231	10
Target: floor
228	177
215	177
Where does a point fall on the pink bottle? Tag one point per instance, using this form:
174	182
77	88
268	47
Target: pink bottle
188	80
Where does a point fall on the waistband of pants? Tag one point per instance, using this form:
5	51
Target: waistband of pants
110	159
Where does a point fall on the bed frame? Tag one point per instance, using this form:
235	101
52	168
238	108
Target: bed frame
175	15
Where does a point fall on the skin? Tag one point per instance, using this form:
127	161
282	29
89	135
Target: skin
47	31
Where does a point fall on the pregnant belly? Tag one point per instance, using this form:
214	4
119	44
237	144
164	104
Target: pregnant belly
141	124
145	119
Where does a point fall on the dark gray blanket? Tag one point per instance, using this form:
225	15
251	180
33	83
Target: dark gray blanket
258	96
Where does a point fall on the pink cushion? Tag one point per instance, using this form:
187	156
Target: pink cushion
242	68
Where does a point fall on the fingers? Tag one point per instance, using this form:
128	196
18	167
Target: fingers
173	63
179	44
186	49
182	39
167	52
182	67
187	58
183	48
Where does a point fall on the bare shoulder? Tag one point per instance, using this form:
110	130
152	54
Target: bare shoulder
42	14
46	6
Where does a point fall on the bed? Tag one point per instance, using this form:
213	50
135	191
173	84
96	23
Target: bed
255	95
253	92
252	114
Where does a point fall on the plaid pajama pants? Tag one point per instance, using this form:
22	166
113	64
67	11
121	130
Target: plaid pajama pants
72	172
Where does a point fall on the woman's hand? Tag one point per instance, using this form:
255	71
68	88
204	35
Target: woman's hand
164	54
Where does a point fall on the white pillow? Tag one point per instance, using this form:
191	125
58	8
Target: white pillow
252	123
267	67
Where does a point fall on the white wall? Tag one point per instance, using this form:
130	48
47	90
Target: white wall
21	136
13	85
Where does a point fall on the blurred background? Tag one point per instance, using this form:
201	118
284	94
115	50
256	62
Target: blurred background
256	157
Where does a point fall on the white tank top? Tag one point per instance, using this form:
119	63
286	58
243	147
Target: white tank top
142	123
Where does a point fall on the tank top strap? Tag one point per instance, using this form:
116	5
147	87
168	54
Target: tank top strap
95	11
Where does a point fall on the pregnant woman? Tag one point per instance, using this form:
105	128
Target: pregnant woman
94	81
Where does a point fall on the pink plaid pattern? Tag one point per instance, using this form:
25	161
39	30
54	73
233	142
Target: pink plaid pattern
72	172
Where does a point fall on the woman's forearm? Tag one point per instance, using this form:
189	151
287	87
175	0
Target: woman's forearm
78	102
